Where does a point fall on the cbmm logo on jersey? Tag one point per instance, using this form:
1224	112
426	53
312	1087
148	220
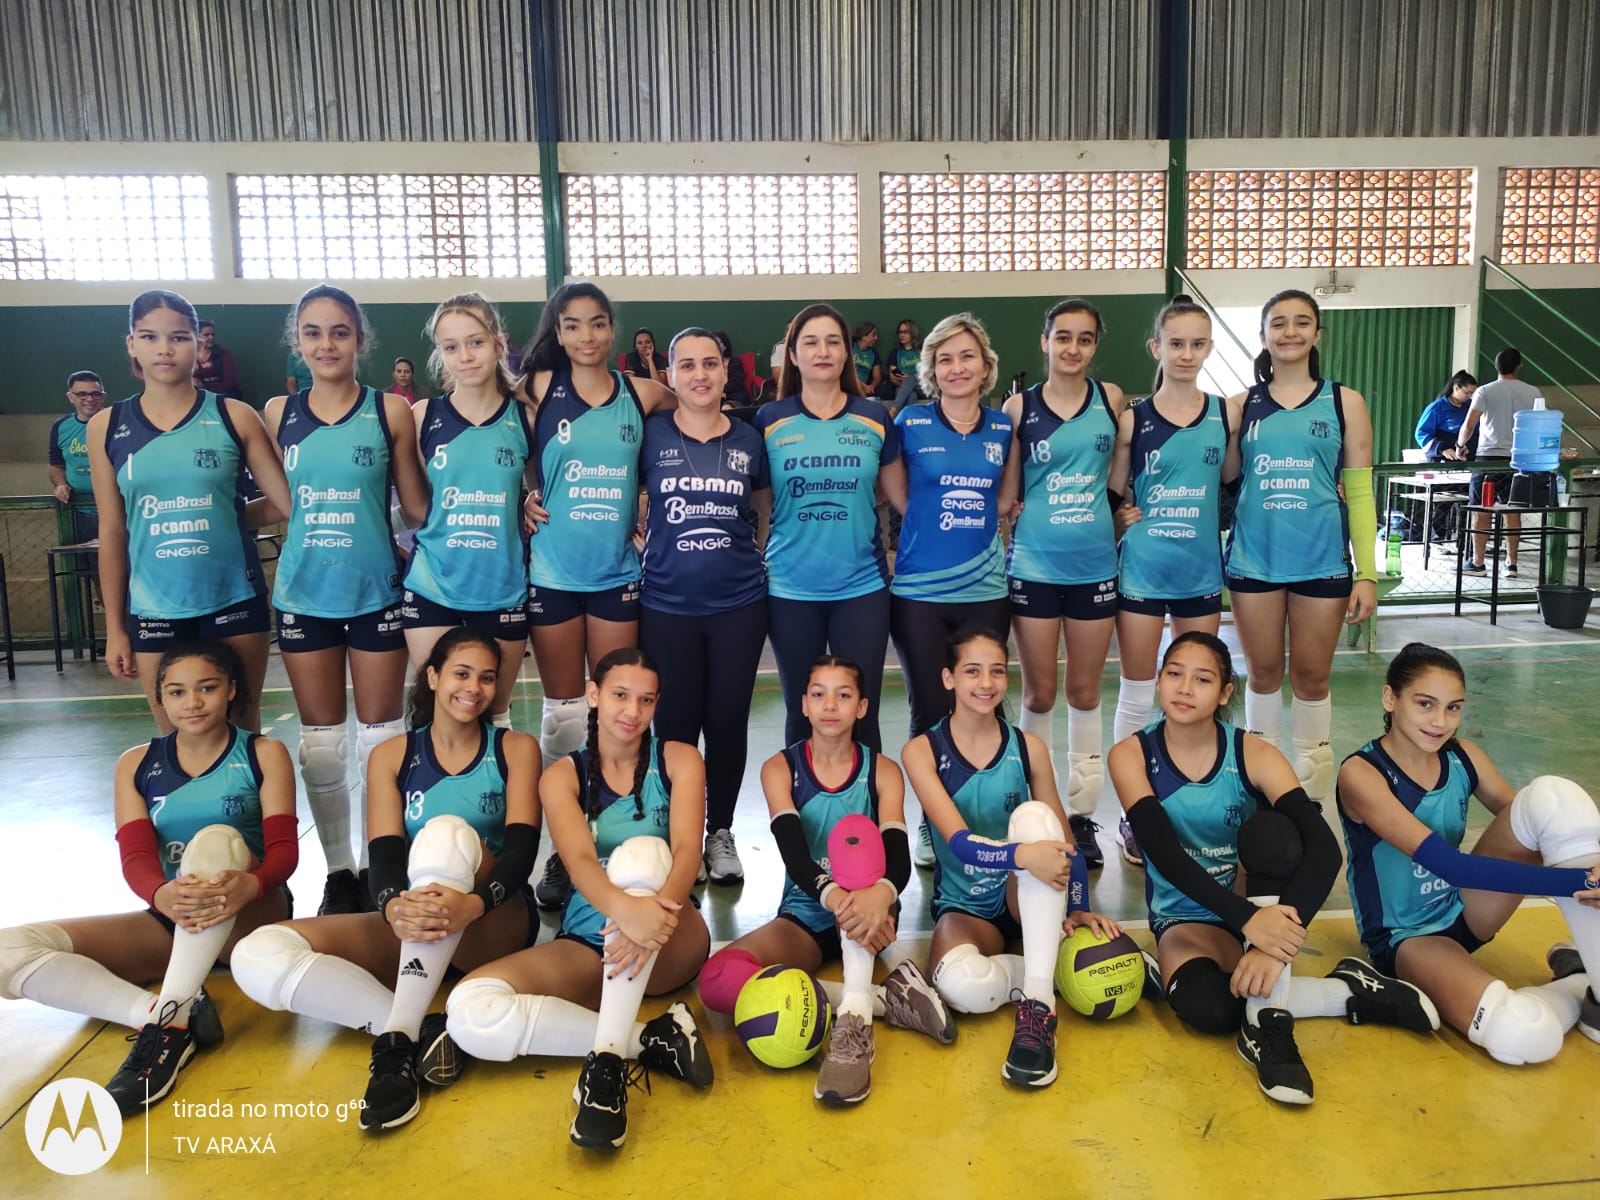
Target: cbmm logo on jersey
73	1126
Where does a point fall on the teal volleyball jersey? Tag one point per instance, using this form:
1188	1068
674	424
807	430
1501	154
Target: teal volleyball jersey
1205	814
69	450
1396	898
476	794
820	809
469	553
985	797
950	550
1175	551
588	474
339	559
824	543
1290	524
181	805
189	553
619	819
1064	534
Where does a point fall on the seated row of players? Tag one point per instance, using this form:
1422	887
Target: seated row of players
455	808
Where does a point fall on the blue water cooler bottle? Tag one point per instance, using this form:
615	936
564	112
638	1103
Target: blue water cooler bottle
1535	453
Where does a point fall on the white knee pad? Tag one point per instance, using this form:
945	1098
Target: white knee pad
1557	818
971	982
1515	1027
1033	821
212	850
563	728
485	1019
640	865
370	737
1085	778
1314	765
446	850
324	757
269	963
23	950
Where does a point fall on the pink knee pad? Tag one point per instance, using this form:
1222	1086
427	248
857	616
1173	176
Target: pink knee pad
724	975
855	852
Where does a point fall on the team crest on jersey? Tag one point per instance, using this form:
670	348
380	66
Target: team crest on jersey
1319	429
1102	443
660	814
629	433
206	460
739	462
491	802
503	457
1233	814
364	456
993	452
1213	455
1013	799
233	806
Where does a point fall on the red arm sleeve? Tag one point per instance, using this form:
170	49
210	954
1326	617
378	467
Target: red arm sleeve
141	860
281	851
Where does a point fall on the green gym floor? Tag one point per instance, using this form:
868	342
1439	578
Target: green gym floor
1141	1107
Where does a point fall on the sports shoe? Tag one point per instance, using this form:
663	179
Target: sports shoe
159	1052
722	858
1154	989
1031	1061
364	878
1511	568
602	1096
554	886
392	1096
1472	568
846	1074
909	1002
1269	1047
340	894
440	1062
1564	961
205	1024
1376	999
1083	831
1131	853
922	853
672	1045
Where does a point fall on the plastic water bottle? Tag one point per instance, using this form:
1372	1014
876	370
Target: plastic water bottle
1392	565
1536	438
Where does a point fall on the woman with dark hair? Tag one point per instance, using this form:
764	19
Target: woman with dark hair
214	367
1440	423
736	392
644	361
403	380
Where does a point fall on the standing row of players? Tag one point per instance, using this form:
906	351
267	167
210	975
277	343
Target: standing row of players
1239	863
1067	463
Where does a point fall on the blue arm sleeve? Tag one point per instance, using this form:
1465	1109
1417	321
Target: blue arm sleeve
1078	885
981	852
1496	874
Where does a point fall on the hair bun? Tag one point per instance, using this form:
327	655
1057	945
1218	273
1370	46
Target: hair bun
1182	298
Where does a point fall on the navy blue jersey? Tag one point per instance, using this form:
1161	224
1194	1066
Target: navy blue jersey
820	809
985	797
476	793
228	792
700	551
618	819
1175	551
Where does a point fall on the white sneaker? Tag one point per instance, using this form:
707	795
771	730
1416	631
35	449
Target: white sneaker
722	858
922	854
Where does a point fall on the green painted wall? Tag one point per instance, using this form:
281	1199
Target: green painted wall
43	345
1550	349
1397	358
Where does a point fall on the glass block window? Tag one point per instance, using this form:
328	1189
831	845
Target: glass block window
1329	218
98	227
712	225
1077	221
389	226
1550	215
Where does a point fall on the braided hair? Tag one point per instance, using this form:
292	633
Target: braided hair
622	656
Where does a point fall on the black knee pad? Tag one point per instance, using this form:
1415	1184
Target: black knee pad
1198	993
1270	850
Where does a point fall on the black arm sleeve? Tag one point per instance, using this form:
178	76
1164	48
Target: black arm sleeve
386	872
790	835
512	868
1159	842
897	858
1319	865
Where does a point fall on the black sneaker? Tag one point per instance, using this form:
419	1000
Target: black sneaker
672	1046
1083	831
340	894
1472	568
1269	1047
205	1023
1564	961
364	878
159	1052
1376	999
602	1096
1154	989
392	1093
554	886
1511	568
440	1062
1031	1061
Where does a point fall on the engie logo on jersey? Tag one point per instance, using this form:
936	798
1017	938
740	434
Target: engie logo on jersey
73	1126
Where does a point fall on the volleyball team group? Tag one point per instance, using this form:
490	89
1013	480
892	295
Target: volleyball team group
617	523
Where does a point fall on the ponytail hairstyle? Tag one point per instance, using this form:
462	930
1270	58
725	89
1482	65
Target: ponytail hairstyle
1074	305
146	303
476	306
789	376
326	291
544	352
1179	306
219	654
1263	362
622	656
1410	663
1219	651
1461	379
964	637
419	704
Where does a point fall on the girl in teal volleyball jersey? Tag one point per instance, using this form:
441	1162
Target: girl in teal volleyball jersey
176	560
337	588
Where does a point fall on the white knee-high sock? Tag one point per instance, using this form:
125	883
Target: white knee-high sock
1083	730
422	968
193	956
1041	910
519	1024
1564	996
335	989
1040	724
835	990
1280	996
1312	997
1263	714
501	720
1136	699
620	998
857	996
1310	731
75	983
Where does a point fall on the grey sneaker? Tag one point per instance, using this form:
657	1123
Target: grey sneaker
922	852
846	1074
1564	961
909	1002
722	858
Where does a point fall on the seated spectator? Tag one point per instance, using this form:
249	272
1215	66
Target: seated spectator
644	361
902	387
736	392
214	368
403	381
769	386
865	337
